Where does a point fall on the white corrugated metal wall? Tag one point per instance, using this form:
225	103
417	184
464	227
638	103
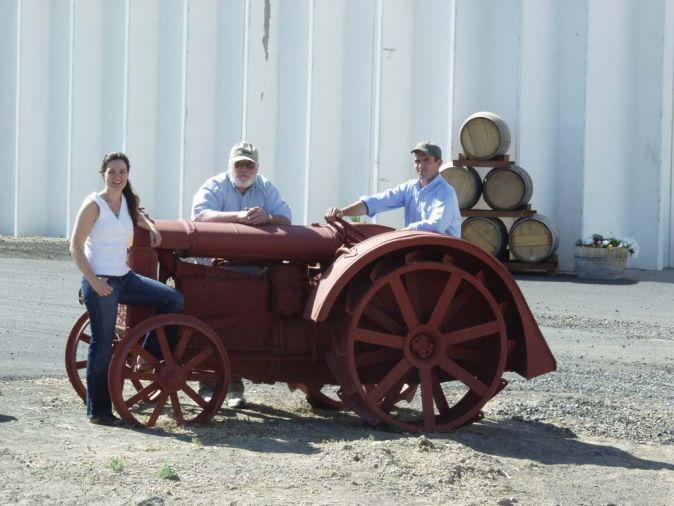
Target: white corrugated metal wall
335	93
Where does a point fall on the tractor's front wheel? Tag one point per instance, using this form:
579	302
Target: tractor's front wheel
190	353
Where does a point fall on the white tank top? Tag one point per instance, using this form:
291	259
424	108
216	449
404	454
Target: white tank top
106	246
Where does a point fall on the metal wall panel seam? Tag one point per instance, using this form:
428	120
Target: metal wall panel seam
69	149
376	95
307	140
450	82
244	91
518	86
125	91
667	164
583	156
183	110
17	119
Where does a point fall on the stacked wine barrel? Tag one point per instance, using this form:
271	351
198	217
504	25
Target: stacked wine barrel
502	194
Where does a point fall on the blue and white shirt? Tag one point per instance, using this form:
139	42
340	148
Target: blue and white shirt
220	194
433	208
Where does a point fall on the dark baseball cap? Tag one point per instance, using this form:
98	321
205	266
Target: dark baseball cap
429	148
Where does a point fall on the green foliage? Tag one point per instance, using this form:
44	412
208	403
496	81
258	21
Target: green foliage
116	465
600	241
168	473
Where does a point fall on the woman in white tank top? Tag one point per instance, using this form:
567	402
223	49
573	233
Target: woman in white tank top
101	234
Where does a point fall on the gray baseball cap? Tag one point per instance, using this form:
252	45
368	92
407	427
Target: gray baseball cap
243	151
429	148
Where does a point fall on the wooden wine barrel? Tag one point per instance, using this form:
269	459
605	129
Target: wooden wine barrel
533	238
490	234
484	135
466	182
508	188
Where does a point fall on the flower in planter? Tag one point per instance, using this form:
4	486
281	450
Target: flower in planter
599	241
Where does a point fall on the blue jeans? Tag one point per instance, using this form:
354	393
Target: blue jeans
130	289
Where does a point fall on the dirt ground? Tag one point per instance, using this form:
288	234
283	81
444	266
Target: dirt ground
279	451
598	431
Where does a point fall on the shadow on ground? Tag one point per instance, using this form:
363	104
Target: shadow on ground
547	444
261	428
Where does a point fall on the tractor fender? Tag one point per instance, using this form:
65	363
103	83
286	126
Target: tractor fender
531	355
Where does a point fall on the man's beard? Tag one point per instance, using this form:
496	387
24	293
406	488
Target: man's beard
239	183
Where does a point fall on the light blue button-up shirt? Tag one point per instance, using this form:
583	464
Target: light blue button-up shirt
219	194
433	208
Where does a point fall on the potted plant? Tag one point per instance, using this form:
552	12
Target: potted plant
599	257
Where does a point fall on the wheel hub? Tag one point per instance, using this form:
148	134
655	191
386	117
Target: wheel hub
422	346
172	378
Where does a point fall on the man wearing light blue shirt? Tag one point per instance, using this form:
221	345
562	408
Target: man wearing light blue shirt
430	203
240	195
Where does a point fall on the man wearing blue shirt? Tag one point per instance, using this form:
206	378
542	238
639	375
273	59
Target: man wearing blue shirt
240	195
430	202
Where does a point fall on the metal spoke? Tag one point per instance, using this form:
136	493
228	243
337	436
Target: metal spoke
204	376
461	299
404	302
463	376
161	401
439	396
85	338
139	375
194	396
427	397
177	411
444	301
166	354
413	292
198	358
481	276
389	381
373	337
392	397
81	364
383	319
146	355
141	395
376	356
409	392
137	385
465	354
183	340
471	333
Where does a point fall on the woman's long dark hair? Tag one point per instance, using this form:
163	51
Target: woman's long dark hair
131	197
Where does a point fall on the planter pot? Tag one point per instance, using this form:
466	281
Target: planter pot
600	263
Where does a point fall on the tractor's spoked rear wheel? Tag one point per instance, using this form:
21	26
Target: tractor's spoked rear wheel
77	351
169	384
426	324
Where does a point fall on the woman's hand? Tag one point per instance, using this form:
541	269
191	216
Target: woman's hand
101	286
155	237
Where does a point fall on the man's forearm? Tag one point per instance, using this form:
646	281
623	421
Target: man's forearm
358	208
218	216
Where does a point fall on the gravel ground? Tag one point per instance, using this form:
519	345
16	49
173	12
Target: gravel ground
47	248
598	431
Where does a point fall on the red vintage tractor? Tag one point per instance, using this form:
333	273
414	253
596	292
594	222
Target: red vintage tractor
414	329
